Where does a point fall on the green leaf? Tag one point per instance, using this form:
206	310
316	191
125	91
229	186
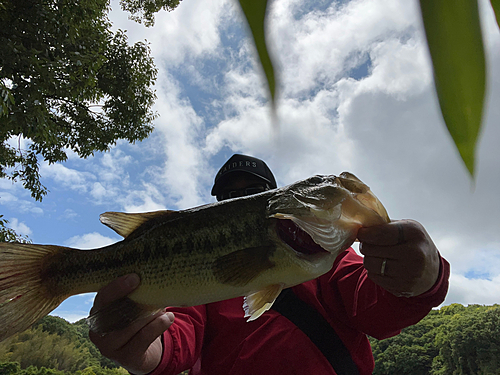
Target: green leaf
255	13
456	46
496	7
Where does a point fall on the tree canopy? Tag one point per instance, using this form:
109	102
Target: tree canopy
144	11
453	340
67	82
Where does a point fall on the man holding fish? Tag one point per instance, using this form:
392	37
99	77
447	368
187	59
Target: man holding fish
322	330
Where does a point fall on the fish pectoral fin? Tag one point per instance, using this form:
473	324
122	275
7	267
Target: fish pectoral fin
242	266
258	303
124	223
117	315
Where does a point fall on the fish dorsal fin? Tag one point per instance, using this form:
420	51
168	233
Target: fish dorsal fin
258	303
125	223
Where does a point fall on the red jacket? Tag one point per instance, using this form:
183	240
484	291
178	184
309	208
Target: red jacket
350	302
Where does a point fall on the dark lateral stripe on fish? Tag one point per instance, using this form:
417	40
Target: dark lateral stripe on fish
72	266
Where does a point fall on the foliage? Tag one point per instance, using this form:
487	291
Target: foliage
453	340
67	82
412	351
54	343
13	368
77	333
35	347
8	234
456	46
8	368
469	343
82	328
143	11
255	11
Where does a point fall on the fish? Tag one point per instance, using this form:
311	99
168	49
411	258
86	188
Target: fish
252	246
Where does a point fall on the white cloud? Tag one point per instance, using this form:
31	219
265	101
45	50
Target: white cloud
14	199
19	227
67	177
69	214
113	166
189	31
146	199
314	49
384	126
473	291
180	128
90	241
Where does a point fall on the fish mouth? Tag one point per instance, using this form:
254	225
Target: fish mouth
299	240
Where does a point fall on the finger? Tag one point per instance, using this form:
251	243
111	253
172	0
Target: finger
149	333
389	234
375	266
116	289
389	252
117	339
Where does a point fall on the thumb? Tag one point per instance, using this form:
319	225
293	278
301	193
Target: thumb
116	289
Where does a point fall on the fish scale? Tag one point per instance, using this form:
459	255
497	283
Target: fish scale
250	246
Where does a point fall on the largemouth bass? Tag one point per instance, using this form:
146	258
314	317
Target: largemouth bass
252	246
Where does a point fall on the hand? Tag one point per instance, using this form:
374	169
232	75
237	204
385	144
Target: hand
400	257
137	348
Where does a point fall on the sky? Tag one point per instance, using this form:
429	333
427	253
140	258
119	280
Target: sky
356	94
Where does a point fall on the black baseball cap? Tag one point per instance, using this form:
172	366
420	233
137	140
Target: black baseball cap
243	163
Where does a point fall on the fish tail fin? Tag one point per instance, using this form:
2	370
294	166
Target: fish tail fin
24	299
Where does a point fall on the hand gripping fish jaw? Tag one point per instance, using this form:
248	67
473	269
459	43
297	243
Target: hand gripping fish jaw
252	246
329	208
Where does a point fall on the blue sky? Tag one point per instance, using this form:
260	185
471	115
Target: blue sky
356	94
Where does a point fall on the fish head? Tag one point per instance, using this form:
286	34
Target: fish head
329	208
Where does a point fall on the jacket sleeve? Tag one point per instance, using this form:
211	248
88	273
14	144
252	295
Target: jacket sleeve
360	303
182	342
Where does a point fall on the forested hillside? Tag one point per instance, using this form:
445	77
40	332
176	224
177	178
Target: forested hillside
453	340
55	344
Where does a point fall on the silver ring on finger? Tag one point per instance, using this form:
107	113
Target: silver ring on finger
382	268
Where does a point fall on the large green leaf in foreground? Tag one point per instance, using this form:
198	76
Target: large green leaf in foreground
455	42
255	13
496	7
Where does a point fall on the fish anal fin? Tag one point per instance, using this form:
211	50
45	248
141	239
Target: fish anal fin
242	266
117	315
258	303
125	223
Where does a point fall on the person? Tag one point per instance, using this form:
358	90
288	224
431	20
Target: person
397	282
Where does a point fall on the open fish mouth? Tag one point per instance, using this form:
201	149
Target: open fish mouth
299	240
